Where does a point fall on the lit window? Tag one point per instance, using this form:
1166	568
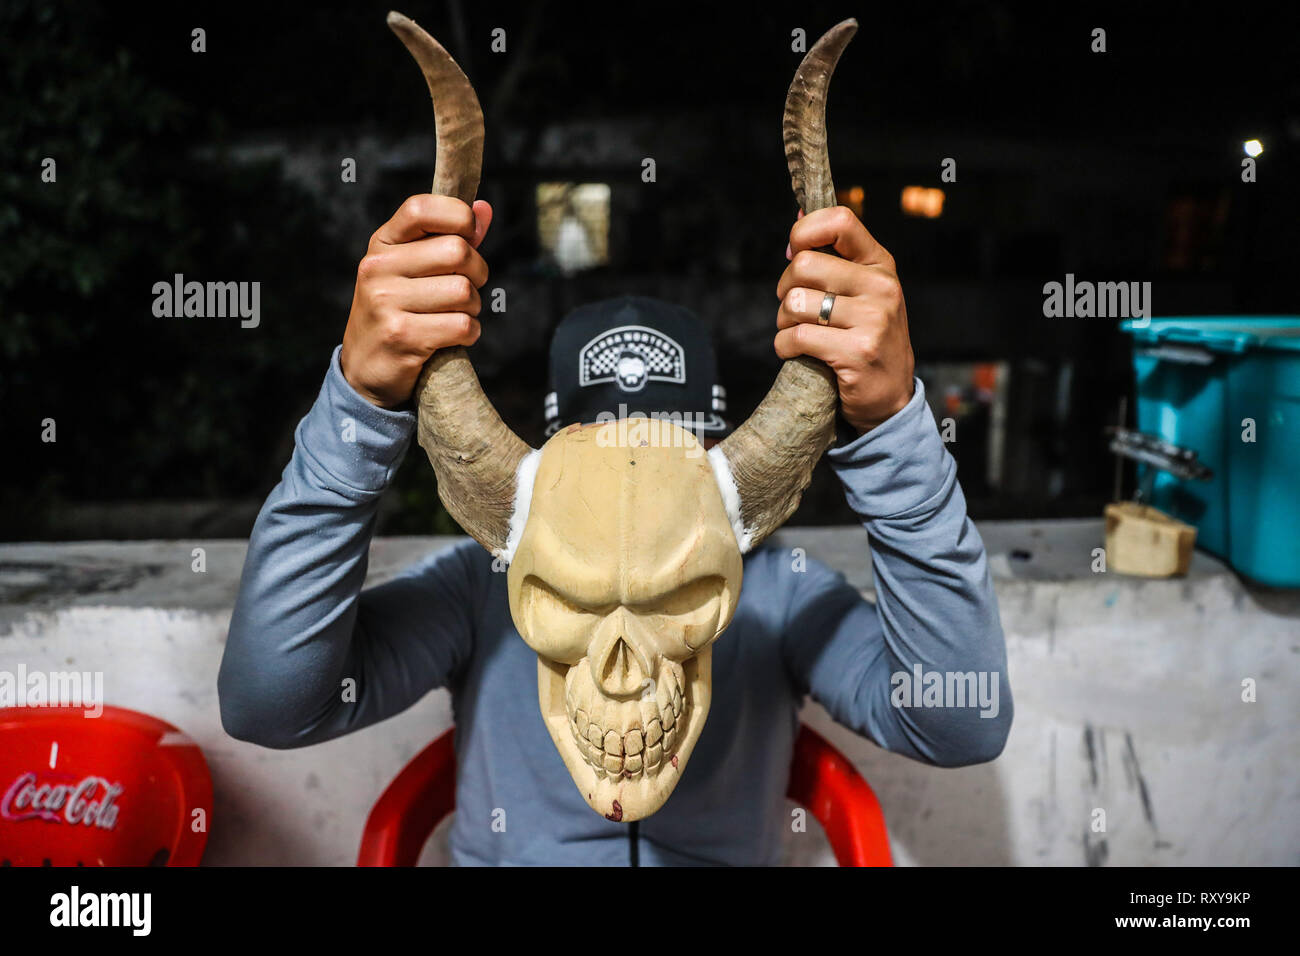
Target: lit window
922	201
573	224
852	197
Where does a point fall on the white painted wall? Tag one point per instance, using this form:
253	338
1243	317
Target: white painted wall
1150	672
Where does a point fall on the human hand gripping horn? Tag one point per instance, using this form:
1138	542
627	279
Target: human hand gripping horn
477	458
474	453
772	455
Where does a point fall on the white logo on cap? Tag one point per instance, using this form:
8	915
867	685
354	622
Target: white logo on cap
629	356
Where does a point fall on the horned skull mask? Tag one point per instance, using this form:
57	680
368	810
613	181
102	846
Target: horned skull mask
620	585
624	540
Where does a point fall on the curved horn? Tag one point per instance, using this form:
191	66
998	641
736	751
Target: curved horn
772	455
474	454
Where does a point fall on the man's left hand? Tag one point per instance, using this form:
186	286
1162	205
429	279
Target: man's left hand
866	342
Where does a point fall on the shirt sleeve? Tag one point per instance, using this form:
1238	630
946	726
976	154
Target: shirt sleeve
923	671
310	655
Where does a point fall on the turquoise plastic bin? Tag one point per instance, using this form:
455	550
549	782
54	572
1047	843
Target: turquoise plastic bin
1201	383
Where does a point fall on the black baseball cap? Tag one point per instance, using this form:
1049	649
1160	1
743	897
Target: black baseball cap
635	356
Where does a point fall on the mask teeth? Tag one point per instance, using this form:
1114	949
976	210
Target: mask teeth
649	732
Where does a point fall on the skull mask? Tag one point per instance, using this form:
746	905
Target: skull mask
624	540
627	571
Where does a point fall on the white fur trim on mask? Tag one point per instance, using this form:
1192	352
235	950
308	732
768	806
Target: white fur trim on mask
730	497
525	475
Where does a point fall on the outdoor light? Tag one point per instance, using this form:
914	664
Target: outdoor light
852	197
923	201
573	224
1253	147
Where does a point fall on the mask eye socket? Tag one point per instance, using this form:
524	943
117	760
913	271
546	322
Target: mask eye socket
694	608
554	625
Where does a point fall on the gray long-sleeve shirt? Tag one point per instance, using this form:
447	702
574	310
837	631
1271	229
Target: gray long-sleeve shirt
908	672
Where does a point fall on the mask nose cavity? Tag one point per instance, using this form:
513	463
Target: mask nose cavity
618	666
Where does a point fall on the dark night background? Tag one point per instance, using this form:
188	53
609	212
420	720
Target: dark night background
224	165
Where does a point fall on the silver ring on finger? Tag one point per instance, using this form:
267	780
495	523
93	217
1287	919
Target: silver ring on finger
824	314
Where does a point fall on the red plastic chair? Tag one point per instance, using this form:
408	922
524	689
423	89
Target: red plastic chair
824	781
119	789
821	779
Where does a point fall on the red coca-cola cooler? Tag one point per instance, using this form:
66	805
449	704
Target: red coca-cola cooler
117	789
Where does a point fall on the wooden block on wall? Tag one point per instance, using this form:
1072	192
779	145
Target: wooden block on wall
1146	542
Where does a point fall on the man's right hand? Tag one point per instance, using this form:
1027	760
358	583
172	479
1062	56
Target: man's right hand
417	292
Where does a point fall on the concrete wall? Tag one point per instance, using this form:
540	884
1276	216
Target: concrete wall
1128	699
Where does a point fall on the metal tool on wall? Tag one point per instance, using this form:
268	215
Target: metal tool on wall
1142	540
1154	451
